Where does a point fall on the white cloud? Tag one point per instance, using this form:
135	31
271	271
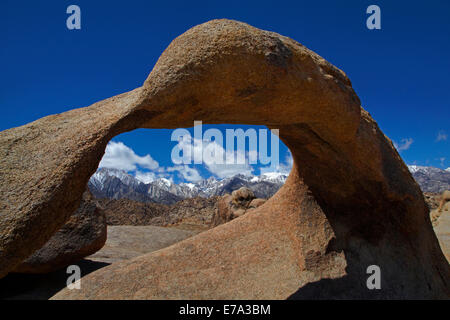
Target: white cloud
119	156
284	168
230	167
210	152
187	173
404	144
441	136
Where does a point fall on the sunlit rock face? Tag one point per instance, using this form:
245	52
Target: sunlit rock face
349	202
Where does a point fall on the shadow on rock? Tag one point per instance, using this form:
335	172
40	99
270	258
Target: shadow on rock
17	286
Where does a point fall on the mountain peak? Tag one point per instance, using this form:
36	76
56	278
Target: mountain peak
104	184
431	179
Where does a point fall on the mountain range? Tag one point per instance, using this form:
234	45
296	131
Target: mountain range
117	184
431	179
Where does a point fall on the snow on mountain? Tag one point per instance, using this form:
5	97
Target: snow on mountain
414	168
162	183
274	176
116	184
102	175
113	183
189	185
431	179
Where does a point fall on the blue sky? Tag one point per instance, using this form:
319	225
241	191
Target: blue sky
399	72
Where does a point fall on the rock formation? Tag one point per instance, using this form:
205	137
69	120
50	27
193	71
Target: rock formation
444	198
432	200
233	206
242	197
82	235
256	203
348	203
442	228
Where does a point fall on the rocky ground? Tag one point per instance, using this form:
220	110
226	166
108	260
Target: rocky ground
129	241
135	228
124	242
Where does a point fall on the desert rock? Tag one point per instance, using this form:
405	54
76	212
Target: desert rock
82	235
445	197
243	196
348	203
256	203
232	206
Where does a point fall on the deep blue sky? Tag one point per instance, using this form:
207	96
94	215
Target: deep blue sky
399	72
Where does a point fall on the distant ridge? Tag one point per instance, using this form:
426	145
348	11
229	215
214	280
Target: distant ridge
117	184
431	179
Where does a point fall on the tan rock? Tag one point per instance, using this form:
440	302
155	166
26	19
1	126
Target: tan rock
242	196
349	201
224	211
445	197
232	206
82	235
432	199
442	229
256	203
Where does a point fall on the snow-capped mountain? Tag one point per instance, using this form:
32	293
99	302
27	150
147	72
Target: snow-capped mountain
102	175
116	184
431	179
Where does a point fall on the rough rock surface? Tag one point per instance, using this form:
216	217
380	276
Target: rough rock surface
243	196
349	201
256	203
445	197
442	228
82	235
432	199
232	206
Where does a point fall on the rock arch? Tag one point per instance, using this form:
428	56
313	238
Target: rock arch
349	201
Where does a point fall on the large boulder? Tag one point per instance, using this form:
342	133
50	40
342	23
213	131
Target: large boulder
82	235
232	206
348	203
445	197
242	197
